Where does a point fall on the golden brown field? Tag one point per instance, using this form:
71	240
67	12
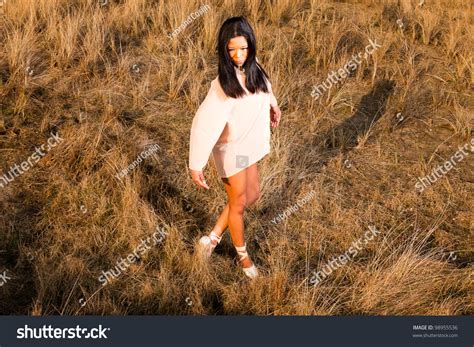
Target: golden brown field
107	77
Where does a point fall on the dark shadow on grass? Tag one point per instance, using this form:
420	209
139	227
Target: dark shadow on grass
342	138
18	227
158	189
368	111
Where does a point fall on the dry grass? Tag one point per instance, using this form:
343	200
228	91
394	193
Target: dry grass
111	82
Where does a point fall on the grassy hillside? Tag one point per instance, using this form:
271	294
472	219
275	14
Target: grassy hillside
110	80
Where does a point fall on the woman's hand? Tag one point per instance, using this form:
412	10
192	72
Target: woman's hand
275	115
198	178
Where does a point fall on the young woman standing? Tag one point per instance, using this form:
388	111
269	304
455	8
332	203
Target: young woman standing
233	122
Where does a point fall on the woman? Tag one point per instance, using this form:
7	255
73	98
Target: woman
233	122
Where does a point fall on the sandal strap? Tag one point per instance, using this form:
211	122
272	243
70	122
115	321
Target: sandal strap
215	237
242	252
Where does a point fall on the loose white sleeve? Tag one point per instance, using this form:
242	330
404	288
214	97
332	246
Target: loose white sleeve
208	124
273	100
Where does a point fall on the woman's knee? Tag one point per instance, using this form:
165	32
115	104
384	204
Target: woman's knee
252	197
238	203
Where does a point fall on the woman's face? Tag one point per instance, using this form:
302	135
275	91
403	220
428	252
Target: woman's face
238	50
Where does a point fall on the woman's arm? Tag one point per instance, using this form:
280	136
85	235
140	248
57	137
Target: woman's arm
273	100
207	126
275	112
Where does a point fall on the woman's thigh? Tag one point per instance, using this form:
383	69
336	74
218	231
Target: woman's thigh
253	182
236	187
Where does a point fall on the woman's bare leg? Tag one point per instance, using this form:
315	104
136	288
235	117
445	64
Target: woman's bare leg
235	187
221	224
253	184
252	193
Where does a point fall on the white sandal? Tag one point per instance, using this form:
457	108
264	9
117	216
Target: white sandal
251	271
206	245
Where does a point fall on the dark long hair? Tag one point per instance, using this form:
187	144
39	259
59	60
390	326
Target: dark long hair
255	75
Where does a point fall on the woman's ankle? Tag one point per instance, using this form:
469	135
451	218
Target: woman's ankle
247	262
243	256
218	231
215	236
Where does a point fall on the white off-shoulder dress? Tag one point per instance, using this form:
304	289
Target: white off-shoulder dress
235	130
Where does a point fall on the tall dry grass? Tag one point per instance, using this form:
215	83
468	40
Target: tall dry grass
110	82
